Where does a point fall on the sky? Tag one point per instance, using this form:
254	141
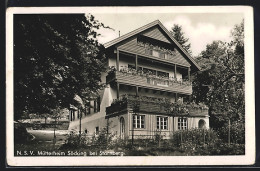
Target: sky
200	28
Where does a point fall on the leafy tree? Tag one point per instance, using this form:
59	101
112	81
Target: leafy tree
178	34
56	57
220	84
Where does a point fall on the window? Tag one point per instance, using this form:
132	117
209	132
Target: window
97	130
182	123
72	115
155	53
162	122
87	108
97	105
138	121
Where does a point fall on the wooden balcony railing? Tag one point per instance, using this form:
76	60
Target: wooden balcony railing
152	82
143	104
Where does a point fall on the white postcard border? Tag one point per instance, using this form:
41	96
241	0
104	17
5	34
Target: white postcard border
247	159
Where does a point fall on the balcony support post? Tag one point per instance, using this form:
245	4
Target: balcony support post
117	59
137	91
136	62
117	90
175	71
189	74
176	97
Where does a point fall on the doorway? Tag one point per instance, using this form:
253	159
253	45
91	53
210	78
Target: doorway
202	124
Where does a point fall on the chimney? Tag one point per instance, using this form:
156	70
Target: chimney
119	33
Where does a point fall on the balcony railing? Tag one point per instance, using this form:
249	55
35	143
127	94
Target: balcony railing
143	104
150	81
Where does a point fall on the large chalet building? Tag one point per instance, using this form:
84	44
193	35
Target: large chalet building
148	69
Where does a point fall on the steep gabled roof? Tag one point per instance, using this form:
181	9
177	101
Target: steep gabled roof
145	27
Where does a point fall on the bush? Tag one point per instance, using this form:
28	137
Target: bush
103	140
195	137
205	142
76	140
158	138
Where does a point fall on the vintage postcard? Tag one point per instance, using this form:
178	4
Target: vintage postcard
130	86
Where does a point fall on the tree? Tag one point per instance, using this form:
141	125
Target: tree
178	34
220	84
56	57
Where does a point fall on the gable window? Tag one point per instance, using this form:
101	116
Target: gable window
138	121
182	123
156	53
162	122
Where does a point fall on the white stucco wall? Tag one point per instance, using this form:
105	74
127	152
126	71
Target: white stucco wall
91	121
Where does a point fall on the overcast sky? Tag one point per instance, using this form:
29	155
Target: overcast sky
200	28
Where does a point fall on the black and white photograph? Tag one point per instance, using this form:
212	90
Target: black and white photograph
130	86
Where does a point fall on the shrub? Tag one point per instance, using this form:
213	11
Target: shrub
103	140
158	138
195	137
76	140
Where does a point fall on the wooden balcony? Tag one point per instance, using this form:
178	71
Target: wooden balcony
142	80
151	105
127	106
